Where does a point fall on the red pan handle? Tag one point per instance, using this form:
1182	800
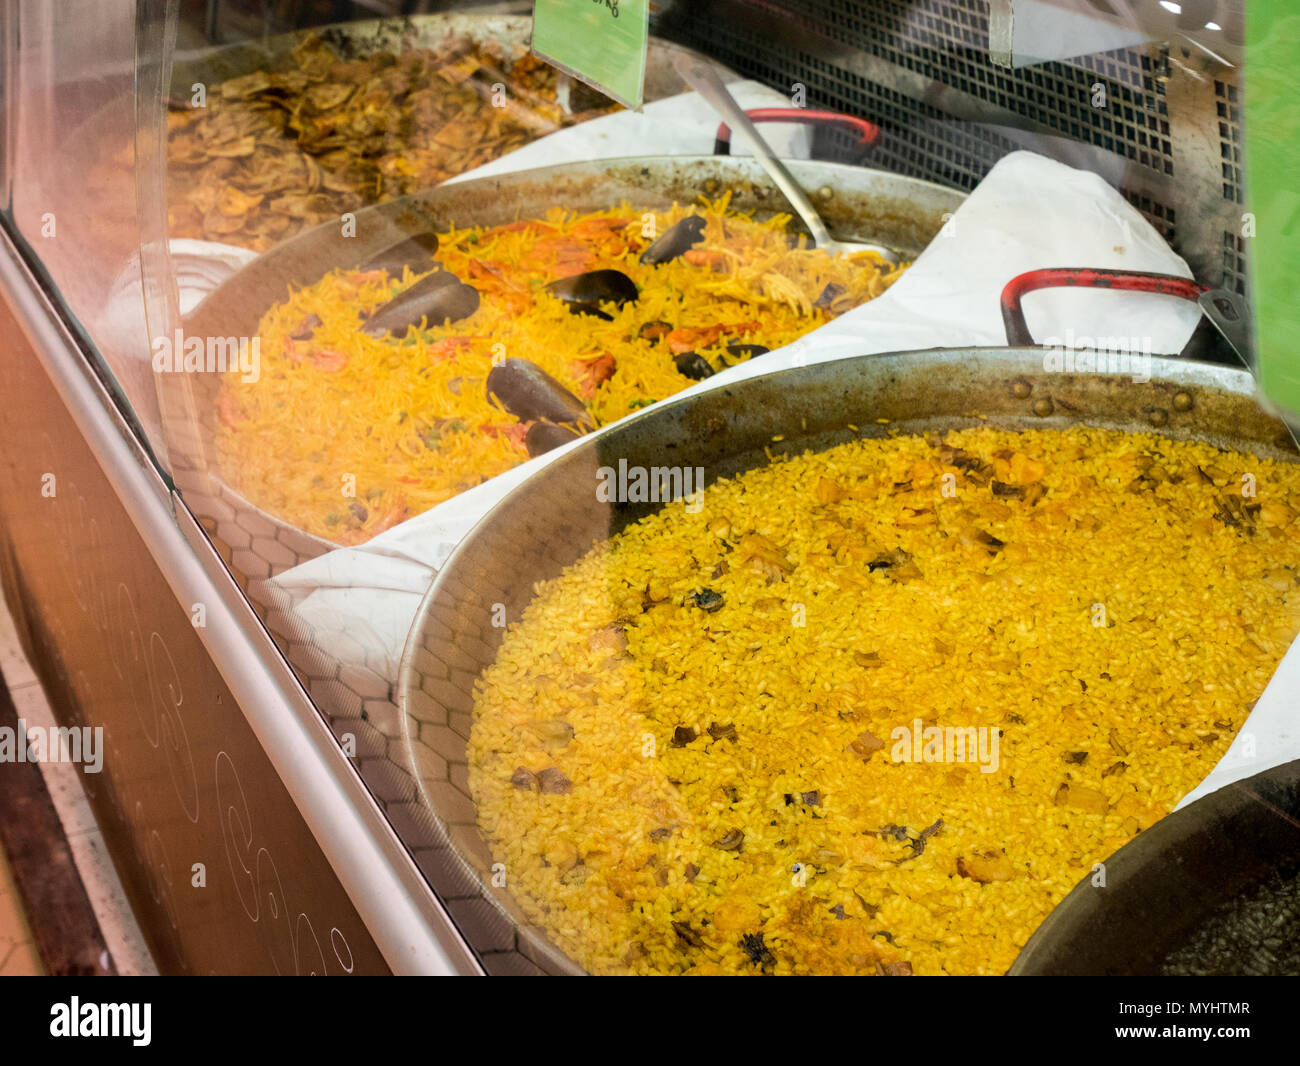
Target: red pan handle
1013	315
867	131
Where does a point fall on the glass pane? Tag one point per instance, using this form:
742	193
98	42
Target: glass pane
70	71
429	319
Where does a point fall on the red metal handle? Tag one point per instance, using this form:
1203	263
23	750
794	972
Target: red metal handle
867	131
1013	315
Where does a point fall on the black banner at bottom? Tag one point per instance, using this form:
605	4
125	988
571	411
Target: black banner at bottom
141	1015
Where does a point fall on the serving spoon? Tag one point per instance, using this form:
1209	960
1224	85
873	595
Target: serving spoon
701	77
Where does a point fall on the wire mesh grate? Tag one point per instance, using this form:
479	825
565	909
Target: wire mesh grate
1228	111
945	42
1234	262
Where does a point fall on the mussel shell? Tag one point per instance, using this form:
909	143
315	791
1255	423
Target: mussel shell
589	309
543	437
693	365
828	295
529	393
584	293
738	353
416	252
438	298
306	328
675	240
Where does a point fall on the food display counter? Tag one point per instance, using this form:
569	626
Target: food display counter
502	531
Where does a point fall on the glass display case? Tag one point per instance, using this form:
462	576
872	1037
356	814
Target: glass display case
372	323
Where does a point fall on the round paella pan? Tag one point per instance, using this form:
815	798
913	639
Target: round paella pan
941	631
466	328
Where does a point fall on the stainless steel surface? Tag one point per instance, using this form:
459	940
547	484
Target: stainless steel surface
1061	29
1231	317
1205	193
549	521
1023	32
111	572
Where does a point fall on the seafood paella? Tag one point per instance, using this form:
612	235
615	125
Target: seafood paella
451	358
267	155
876	710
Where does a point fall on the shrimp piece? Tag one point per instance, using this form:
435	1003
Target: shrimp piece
354	283
229	411
692	338
451	346
592	371
328	360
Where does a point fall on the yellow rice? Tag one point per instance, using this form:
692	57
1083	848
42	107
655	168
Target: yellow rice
1113	603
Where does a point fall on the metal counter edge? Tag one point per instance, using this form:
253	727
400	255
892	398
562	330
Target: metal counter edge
408	923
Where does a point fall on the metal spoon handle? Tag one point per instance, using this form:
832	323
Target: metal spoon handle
701	77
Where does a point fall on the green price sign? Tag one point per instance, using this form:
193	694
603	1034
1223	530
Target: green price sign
1272	224
603	42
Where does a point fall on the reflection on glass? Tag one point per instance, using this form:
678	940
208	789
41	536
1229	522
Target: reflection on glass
378	283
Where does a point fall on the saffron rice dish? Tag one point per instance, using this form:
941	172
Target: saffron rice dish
407	416
876	710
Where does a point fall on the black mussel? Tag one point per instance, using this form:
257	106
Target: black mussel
829	295
675	240
655	330
693	365
529	393
707	600
438	298
589	309
543	437
738	353
306	328
584	293
415	252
